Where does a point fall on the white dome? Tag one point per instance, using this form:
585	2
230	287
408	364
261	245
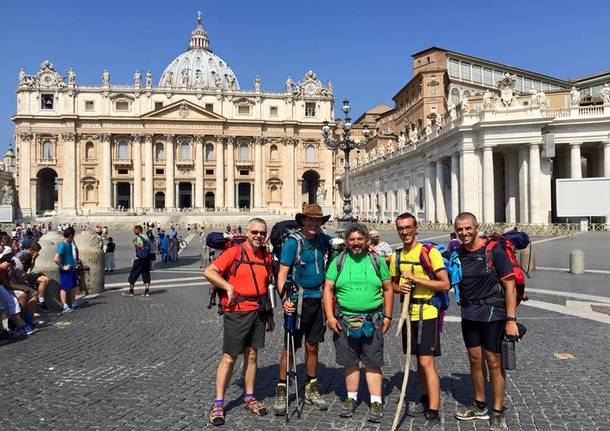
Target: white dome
199	67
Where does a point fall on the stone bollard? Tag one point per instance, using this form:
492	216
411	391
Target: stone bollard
527	259
90	252
577	261
45	265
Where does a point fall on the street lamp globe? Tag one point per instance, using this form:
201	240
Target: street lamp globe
346	107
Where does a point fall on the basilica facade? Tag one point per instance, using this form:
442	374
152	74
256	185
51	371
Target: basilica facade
194	140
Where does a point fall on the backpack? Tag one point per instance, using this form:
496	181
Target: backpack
243	258
144	252
216	240
510	243
374	260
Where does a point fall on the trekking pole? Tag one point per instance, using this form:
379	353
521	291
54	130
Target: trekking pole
291	372
405	380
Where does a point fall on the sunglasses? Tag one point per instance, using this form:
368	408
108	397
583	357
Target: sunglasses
258	232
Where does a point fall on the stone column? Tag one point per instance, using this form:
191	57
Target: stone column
441	213
575	164
607	159
489	207
230	173
149	170
177	195
131	195
25	172
115	195
510	186
258	173
220	172
469	198
197	200
429	193
105	199
69	172
536	215
524	185
545	190
137	172
289	173
170	197
455	185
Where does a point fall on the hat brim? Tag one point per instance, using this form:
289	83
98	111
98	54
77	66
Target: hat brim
300	216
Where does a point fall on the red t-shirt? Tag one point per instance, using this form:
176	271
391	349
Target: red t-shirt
243	281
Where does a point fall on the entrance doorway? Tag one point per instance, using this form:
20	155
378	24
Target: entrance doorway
159	200
210	200
185	198
309	189
46	190
123	195
243	195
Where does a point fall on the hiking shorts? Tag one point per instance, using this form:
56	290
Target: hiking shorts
312	323
430	344
140	267
486	334
67	279
352	351
243	329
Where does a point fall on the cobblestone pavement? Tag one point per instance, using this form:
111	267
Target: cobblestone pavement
149	364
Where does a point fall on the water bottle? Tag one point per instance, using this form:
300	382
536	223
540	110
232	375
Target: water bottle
271	291
509	355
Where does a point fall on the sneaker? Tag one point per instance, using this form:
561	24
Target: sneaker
68	309
43	306
434	423
217	414
471	412
348	408
25	330
279	407
375	413
128	293
313	397
498	422
416	408
146	292
255	406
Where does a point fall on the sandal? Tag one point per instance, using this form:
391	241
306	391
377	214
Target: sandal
128	293
217	415
255	406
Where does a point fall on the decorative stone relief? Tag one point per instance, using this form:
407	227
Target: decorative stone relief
506	85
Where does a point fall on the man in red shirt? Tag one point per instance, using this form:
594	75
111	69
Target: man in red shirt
242	273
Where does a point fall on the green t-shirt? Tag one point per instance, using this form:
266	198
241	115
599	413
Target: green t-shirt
358	288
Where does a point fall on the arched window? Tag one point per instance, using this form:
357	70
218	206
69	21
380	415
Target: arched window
185	151
89	151
90	193
310	153
244	152
47	150
466	93
209	152
123	150
273	152
159	151
455	96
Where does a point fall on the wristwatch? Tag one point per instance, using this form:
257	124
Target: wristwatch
387	317
510	319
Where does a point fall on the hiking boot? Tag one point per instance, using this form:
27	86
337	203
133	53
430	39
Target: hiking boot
416	408
313	397
471	412
375	412
279	408
498	422
348	408
43	306
255	406
217	414
434	423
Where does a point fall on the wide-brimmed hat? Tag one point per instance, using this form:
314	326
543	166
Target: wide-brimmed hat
312	211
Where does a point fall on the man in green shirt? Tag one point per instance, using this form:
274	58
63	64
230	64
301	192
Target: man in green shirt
363	289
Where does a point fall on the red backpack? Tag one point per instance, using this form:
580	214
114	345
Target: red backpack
510	243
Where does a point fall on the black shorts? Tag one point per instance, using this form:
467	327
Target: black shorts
486	334
32	278
243	329
352	351
312	323
140	267
430	344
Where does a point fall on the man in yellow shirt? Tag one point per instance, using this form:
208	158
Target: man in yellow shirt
410	277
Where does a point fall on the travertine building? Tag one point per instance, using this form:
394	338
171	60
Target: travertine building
468	134
195	140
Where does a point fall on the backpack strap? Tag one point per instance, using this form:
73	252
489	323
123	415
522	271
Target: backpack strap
375	261
397	261
426	263
340	262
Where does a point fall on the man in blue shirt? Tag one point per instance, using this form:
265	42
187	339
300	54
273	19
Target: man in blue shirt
304	256
66	263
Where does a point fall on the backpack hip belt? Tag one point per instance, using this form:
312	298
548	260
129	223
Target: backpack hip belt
361	324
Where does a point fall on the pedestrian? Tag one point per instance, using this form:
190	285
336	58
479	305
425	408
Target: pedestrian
153	250
382	248
489	311
141	264
363	315
109	255
164	244
247	268
304	256
410	277
66	262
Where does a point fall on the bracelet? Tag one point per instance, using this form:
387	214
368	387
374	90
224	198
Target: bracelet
511	319
387	317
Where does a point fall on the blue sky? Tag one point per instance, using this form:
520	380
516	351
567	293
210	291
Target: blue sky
364	47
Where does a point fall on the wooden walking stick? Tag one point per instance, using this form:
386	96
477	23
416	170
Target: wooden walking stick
404	316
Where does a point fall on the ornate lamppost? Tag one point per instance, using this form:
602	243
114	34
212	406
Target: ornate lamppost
345	144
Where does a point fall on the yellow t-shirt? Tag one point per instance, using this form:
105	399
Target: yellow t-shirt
420	292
